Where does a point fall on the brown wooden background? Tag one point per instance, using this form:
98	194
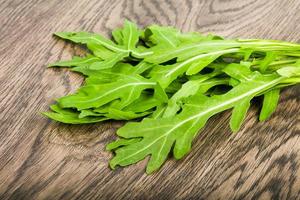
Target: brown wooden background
42	159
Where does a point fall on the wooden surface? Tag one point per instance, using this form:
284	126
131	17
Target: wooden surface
42	159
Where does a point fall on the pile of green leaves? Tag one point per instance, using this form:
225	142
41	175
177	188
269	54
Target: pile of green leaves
170	83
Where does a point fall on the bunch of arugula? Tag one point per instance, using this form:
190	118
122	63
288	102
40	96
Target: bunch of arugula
174	81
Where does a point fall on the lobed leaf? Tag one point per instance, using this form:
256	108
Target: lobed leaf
159	135
175	81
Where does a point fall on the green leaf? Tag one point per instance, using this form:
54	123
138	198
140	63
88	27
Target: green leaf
270	57
124	115
118	36
127	89
289	71
90	38
89	113
69	116
130	35
143	103
168	73
199	65
191	88
239	72
159	112
175	82
190	50
168	37
207	85
269	104
239	113
247	53
162	36
160	94
159	135
142	67
77	61
101	51
119	70
109	62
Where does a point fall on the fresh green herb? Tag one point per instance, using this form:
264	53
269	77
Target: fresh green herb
171	83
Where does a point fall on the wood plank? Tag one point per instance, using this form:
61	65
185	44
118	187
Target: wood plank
41	159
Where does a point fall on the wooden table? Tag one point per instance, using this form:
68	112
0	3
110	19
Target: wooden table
42	159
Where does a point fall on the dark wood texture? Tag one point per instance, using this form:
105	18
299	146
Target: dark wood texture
42	159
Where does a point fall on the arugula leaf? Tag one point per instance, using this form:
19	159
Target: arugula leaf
118	36
124	115
130	35
163	37
89	113
127	89
142	104
90	39
269	104
270	56
142	67
70	117
188	89
175	82
159	135
166	74
238	114
101	51
119	70
186	51
189	50
110	62
77	61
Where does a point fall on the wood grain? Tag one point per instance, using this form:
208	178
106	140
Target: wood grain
41	159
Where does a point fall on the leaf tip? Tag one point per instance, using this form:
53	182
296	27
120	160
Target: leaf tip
112	164
150	169
109	147
129	22
49	115
234	128
44	113
262	118
64	35
180	152
51	65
